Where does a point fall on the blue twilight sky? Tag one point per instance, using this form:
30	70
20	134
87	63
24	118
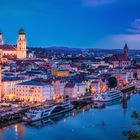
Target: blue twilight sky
72	23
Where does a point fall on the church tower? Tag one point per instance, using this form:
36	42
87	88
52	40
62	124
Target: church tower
125	50
21	45
1	39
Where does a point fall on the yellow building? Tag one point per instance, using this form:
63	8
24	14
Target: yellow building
17	51
60	72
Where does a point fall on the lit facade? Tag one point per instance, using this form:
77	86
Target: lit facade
60	72
98	86
120	60
8	87
70	90
34	91
18	51
81	89
122	77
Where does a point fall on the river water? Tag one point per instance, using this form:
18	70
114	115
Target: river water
84	124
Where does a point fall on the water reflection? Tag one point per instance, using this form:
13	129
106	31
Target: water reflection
8	123
48	121
98	122
73	113
19	131
110	103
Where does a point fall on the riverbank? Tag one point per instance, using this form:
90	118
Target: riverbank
83	124
17	113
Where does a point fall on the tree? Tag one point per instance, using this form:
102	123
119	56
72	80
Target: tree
112	82
135	75
134	134
90	88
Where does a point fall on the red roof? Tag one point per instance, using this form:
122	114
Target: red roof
95	81
8	47
49	80
9	56
119	57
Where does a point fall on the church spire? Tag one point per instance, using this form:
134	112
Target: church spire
21	45
126	49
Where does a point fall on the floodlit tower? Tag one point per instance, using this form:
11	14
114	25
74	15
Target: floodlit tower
125	50
21	45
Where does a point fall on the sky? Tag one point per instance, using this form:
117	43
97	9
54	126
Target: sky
107	24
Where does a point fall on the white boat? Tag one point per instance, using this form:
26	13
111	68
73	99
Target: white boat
46	112
108	96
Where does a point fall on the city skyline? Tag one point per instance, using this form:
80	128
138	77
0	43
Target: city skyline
73	23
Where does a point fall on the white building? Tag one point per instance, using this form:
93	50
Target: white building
98	86
70	90
81	89
34	91
8	86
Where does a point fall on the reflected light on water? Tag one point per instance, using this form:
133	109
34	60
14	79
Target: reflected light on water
15	126
112	116
65	120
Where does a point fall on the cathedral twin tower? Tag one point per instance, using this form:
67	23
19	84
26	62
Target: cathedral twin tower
21	45
18	51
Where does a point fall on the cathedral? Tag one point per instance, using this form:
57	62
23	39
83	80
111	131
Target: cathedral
18	51
122	59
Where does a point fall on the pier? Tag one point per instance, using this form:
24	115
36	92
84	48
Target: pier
129	89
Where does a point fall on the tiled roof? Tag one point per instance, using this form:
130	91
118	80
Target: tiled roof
119	57
33	83
4	79
8	47
9	56
95	81
48	80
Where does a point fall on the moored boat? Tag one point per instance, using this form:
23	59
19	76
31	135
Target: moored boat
108	96
46	112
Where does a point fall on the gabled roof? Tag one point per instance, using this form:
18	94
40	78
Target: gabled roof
119	57
4	79
8	47
33	83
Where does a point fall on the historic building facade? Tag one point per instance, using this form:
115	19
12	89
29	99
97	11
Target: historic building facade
18	51
120	60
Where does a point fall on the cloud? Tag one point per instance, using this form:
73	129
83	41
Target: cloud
96	2
118	41
132	38
135	27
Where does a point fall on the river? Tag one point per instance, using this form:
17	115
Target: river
86	124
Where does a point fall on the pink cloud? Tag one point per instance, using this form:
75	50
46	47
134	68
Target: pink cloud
118	41
133	38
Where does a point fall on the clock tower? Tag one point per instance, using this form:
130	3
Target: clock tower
21	45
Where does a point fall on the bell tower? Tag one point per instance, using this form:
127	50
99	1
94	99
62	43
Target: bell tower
126	50
21	45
